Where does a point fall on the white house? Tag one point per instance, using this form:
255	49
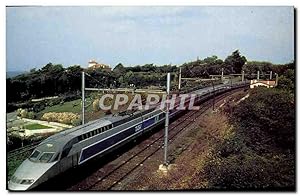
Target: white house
264	83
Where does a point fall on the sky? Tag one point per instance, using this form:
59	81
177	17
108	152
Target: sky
36	36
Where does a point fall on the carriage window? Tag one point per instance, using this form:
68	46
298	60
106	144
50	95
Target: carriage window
35	154
46	157
56	157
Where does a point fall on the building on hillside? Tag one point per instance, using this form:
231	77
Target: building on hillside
95	65
264	83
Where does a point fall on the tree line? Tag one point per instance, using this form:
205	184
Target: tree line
54	79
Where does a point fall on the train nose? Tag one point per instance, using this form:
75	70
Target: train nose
28	175
15	186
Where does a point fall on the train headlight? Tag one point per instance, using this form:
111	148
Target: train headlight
27	181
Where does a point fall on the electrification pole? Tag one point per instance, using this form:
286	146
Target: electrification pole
276	79
222	75
243	76
179	79
167	122
214	94
83	96
257	75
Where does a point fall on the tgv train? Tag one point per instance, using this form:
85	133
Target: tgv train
77	145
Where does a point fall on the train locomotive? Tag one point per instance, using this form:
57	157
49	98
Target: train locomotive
75	146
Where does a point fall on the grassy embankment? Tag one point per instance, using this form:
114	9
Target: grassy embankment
228	154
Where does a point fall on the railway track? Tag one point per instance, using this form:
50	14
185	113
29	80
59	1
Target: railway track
113	175
12	154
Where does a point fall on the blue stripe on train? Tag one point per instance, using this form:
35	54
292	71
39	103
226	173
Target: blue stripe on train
148	122
98	147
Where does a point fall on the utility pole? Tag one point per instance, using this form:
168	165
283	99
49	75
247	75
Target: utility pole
167	123
83	97
270	75
214	94
222	75
179	79
257	75
276	79
243	75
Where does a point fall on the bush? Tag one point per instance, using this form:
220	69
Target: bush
31	115
285	83
61	117
76	122
96	107
260	154
251	171
23	113
38	106
267	116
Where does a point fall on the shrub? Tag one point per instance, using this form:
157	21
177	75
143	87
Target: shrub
268	113
23	113
96	107
31	115
76	122
39	106
61	117
249	171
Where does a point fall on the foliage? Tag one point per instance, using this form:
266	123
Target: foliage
203	68
23	113
251	171
285	84
235	61
61	117
260	154
268	113
96	107
251	67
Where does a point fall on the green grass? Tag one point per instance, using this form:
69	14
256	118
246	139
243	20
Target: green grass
70	106
36	126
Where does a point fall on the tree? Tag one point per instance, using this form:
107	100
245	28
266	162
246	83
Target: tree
119	69
285	83
236	62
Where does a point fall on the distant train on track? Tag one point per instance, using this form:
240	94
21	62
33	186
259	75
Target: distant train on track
77	145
